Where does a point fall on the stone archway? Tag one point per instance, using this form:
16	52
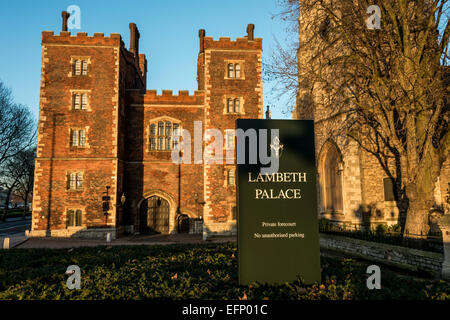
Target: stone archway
330	171
183	223
157	213
154	215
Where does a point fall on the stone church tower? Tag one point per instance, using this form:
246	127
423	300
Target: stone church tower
104	150
352	186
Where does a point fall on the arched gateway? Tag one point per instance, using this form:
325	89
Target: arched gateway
154	215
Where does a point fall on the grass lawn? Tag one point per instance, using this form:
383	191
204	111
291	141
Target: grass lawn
206	271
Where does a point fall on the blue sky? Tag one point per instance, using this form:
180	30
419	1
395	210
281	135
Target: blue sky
169	37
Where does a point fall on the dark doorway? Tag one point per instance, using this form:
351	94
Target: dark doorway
183	223
155	212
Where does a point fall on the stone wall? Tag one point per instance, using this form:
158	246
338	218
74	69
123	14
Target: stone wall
397	256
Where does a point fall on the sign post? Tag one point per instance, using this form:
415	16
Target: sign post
278	232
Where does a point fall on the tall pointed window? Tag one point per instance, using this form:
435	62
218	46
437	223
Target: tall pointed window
331	180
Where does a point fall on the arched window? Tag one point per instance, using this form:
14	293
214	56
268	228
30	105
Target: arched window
230	70
160	128
163	138
331	180
160	143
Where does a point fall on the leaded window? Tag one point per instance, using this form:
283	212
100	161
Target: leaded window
80	67
75	181
77	138
162	136
237	70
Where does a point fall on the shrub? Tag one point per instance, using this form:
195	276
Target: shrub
381	229
206	271
324	224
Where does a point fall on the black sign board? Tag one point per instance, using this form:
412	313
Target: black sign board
278	232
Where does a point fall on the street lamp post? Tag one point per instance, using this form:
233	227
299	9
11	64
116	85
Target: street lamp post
105	204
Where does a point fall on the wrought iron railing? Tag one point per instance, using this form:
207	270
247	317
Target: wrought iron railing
430	242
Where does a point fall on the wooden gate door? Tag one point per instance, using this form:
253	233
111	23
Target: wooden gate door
158	214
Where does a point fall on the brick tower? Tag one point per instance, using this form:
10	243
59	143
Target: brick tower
105	142
232	83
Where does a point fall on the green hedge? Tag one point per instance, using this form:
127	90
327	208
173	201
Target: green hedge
206	271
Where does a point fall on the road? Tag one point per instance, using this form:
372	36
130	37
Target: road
15	227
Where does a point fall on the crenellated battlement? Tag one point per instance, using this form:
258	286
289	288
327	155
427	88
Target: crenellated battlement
82	38
249	42
167	97
239	44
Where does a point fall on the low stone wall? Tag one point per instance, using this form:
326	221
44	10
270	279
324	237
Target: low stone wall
79	232
228	228
402	257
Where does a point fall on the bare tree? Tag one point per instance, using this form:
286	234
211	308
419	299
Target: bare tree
281	69
17	129
24	188
11	172
384	88
17	134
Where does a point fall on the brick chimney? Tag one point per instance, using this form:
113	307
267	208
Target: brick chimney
134	40
65	16
250	30
268	115
201	35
